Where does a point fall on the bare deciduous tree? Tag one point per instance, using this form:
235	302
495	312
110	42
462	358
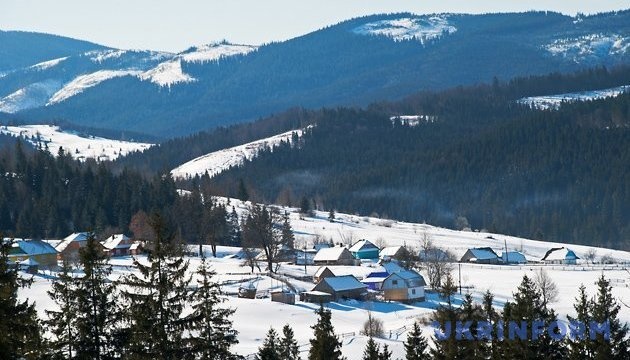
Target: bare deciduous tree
548	288
590	256
347	238
436	262
373	327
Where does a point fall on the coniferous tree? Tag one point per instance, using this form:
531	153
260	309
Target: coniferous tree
242	195
385	354
234	228
96	310
21	335
331	215
211	327
416	346
288	345
156	299
62	323
371	351
288	239
580	345
270	350
606	311
325	345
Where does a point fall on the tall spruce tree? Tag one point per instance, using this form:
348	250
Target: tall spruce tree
416	346
325	345
288	239
270	350
20	330
288	345
212	333
606	311
156	299
96	304
371	351
62	323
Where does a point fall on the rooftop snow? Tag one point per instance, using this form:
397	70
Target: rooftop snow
343	283
114	241
80	83
79	147
329	254
390	250
35	247
362	245
560	254
554	101
219	161
483	254
420	29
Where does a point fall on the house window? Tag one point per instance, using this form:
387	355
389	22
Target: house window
413	291
394	282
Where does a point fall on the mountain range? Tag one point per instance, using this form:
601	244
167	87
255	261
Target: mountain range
353	63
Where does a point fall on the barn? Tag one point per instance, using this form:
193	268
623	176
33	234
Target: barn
342	287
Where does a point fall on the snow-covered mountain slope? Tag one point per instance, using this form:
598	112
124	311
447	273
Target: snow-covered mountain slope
80	83
33	95
218	161
215	51
420	28
57	80
589	47
79	146
554	101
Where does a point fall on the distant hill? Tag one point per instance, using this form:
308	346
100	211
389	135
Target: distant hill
20	49
373	58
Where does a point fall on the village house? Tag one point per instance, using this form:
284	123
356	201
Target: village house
342	287
404	286
32	255
120	245
68	248
321	273
513	257
363	249
333	256
560	255
394	252
483	255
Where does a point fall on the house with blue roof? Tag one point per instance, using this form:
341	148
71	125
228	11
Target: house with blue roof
364	249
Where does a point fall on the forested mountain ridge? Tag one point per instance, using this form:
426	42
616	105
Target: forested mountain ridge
554	175
352	63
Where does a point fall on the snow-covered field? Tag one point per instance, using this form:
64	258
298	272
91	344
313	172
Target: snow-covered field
420	28
79	147
253	317
219	161
554	101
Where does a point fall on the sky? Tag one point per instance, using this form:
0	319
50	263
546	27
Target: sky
176	25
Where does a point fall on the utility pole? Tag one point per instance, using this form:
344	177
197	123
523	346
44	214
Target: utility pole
304	257
460	278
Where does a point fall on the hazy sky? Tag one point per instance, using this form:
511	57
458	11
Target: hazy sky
176	25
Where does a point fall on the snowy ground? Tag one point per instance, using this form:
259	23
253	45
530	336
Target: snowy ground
254	317
554	101
80	147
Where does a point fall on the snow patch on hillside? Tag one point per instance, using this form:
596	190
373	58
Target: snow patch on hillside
219	161
31	96
212	52
167	74
421	29
554	101
585	47
99	56
47	64
413	120
80	83
80	147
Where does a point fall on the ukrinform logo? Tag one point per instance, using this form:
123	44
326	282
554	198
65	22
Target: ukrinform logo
514	330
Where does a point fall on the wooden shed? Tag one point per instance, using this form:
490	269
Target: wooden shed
342	287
